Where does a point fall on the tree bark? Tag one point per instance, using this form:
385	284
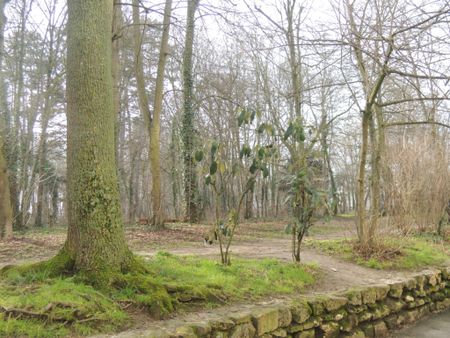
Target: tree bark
188	130
6	214
115	71
95	241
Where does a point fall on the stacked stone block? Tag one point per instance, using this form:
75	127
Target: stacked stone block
365	312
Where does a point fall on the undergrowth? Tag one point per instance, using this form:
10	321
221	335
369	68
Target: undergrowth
405	253
36	304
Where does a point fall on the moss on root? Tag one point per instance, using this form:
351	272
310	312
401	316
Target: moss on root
55	307
53	297
60	265
133	284
143	290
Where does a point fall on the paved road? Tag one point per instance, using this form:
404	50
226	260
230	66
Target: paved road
436	326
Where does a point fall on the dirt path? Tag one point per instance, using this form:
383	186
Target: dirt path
335	274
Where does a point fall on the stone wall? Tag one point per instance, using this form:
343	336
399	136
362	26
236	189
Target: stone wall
367	312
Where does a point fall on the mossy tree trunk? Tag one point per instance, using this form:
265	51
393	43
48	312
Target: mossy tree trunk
188	129
95	245
6	215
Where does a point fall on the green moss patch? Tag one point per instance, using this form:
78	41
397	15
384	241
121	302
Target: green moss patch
55	307
35	303
244	278
406	253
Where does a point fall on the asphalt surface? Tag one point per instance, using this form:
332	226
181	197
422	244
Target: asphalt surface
435	326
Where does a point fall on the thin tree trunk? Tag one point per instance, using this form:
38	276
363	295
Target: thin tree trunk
6	213
116	71
42	150
15	149
360	200
6	216
155	160
188	131
143	100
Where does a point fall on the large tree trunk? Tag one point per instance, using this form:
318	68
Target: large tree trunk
95	242
188	130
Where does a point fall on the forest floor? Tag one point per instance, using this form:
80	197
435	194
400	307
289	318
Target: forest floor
261	239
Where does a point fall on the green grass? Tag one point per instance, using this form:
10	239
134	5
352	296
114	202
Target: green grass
407	253
244	278
57	307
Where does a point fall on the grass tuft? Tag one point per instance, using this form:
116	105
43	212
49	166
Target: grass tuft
406	253
56	305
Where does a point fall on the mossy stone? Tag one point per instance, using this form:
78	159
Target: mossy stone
317	306
420	281
349	323
356	334
284	316
335	316
330	330
245	330
333	303
395	305
364	317
281	333
356	309
396	290
438	296
201	329
381	291
381	311
220	324
305	334
265	320
368	330
380	329
301	311
410	284
185	332
369	295
219	334
241	317
391	321
354	297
